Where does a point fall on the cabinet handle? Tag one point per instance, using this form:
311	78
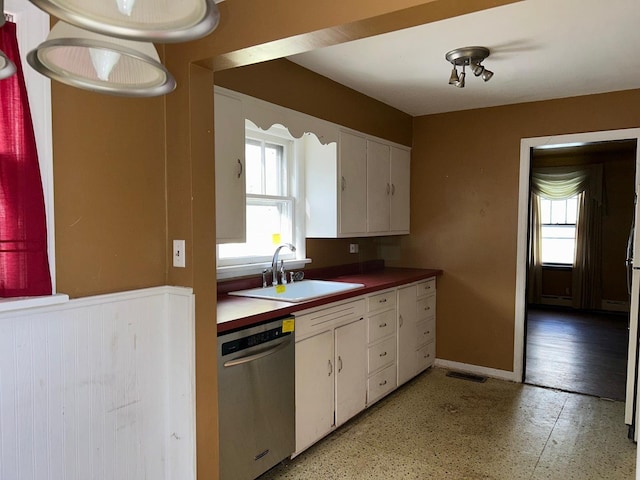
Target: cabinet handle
400	320
382	300
383	354
330	368
339	363
383	383
343	183
393	189
240	169
388	188
383	325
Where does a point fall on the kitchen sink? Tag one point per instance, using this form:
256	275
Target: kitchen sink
299	291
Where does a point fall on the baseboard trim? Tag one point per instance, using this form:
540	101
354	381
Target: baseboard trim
478	370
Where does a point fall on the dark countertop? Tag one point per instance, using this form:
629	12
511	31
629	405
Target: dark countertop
237	312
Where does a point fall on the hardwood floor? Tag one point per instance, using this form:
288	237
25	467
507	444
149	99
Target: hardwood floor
577	352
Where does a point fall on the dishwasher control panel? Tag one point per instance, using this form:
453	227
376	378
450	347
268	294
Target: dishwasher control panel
254	340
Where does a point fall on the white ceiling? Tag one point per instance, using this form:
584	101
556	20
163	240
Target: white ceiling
540	49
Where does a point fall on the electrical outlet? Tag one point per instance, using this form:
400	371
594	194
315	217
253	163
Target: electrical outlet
179	259
353	248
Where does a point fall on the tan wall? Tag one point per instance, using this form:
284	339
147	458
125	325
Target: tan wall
110	215
284	83
464	220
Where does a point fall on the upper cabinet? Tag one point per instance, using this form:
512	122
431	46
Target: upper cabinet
230	179
355	185
360	188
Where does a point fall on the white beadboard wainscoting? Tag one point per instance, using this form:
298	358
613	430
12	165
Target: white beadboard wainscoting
99	388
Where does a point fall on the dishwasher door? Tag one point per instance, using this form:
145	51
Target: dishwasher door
256	399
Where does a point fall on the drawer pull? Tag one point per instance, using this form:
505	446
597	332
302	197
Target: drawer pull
383	383
427	355
382	325
382	300
383	354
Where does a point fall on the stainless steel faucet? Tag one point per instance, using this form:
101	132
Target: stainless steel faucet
274	265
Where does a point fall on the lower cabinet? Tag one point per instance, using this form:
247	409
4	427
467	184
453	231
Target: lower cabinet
331	370
350	354
314	389
416	329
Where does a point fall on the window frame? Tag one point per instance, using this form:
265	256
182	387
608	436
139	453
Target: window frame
563	265
294	176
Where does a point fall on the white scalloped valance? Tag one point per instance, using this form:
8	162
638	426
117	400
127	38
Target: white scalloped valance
265	115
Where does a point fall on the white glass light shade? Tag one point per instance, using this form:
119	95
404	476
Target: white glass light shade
162	21
7	67
101	64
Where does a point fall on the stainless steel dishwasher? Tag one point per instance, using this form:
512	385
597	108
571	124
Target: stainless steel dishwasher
256	398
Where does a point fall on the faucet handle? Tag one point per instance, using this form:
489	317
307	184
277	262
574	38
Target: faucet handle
264	277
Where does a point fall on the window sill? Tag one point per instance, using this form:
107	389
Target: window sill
257	268
23	303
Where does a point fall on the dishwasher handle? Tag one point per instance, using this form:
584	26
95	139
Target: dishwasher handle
256	356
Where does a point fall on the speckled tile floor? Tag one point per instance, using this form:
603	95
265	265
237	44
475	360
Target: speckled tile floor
438	427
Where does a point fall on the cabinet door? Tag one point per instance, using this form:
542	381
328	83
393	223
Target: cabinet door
352	184
406	353
378	187
351	370
315	372
400	190
230	179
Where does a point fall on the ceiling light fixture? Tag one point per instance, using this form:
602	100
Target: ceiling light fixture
102	64
163	21
471	56
7	67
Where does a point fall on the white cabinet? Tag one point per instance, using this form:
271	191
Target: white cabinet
358	188
400	179
335	185
230	179
351	370
381	346
416	329
331	375
388	178
314	388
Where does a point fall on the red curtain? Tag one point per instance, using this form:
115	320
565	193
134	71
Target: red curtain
24	266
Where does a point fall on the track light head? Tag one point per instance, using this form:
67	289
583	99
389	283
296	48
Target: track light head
486	75
453	79
460	83
477	69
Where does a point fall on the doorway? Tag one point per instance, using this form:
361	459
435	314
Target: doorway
526	145
582	199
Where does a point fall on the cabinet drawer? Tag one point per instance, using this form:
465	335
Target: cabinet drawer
381	301
426	331
315	321
381	383
381	325
384	353
426	307
427	288
426	356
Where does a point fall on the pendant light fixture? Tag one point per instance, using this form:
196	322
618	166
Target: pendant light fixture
163	21
100	63
468	56
7	67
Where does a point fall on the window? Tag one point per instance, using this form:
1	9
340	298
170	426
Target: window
558	219
271	191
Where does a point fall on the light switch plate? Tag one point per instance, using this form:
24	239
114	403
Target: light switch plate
179	259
